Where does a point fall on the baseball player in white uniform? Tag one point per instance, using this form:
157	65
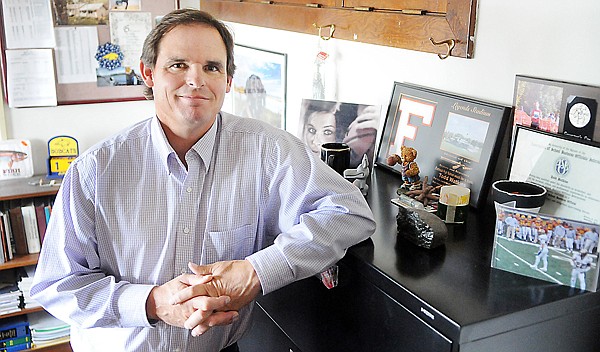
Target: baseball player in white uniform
590	240
582	263
542	253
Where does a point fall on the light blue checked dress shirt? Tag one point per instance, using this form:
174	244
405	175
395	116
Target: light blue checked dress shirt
129	216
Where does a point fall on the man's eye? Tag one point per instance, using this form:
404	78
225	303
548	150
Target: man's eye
213	68
178	66
328	132
312	130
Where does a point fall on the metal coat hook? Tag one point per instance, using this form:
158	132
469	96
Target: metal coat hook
450	43
331	30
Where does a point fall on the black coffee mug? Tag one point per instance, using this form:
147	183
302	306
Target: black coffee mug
519	194
336	155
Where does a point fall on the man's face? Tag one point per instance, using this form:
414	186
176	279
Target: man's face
189	80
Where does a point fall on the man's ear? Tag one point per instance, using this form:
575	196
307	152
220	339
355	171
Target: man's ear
229	80
147	74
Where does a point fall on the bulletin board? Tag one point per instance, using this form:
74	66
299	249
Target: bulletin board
91	92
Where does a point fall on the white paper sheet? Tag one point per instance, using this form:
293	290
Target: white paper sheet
75	51
28	24
128	30
567	169
30	76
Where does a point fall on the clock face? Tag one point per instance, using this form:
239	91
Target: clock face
580	115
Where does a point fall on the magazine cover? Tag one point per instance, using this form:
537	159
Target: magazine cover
556	250
15	159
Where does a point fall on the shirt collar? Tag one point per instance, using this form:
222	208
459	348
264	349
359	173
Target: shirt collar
204	146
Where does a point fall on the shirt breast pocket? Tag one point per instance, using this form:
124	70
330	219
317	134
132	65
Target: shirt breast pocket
235	244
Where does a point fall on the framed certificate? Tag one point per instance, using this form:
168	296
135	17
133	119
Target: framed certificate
567	168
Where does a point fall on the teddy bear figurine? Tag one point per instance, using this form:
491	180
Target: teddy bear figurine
410	169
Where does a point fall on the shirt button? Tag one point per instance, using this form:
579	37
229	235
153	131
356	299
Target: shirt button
189	190
186	230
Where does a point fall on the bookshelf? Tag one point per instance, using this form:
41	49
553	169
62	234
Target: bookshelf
14	192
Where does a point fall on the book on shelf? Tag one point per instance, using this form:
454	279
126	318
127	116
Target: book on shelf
11	298
25	287
14	327
18	230
9	250
4	256
40	215
31	228
47	329
48	210
23	227
15	348
15	334
16	341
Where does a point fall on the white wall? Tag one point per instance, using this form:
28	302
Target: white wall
551	39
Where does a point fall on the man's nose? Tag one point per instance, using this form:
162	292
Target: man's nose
195	77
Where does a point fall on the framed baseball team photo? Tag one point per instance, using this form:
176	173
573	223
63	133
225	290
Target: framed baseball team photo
549	248
457	139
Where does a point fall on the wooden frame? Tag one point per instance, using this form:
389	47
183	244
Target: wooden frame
457	138
446	28
82	93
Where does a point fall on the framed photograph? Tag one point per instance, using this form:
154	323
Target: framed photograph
552	249
259	85
125	5
457	139
557	107
567	167
16	160
84	13
325	121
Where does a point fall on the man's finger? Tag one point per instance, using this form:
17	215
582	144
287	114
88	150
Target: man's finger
191	292
210	303
193	279
200	269
205	306
215	319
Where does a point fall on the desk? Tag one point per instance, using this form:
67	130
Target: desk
394	296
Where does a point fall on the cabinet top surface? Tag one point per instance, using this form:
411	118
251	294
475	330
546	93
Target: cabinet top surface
455	279
21	188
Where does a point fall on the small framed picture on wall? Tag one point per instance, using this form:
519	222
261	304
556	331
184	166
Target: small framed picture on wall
258	89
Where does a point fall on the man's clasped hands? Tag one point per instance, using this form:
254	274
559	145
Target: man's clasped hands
211	296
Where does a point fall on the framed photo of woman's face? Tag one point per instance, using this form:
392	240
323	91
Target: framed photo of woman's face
325	121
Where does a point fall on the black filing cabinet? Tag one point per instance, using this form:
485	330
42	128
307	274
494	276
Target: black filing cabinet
394	296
